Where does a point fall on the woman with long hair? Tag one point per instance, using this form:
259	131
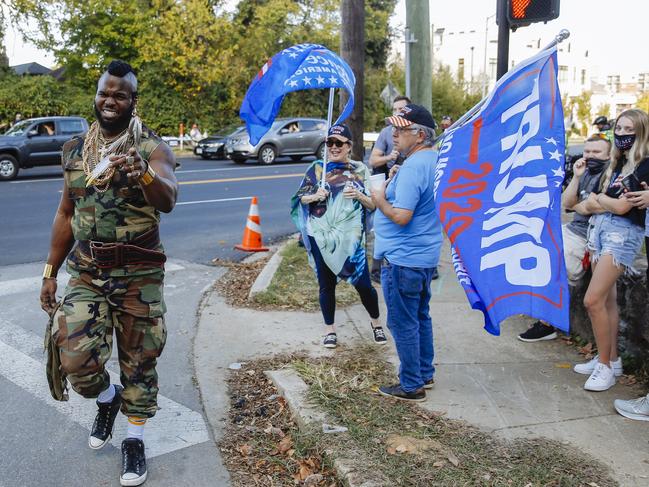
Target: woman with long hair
332	220
615	236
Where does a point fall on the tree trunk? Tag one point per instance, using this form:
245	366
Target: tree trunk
352	50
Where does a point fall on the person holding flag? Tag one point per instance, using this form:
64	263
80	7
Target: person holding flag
332	219
408	240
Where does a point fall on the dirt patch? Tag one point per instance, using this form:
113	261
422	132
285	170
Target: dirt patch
262	445
293	288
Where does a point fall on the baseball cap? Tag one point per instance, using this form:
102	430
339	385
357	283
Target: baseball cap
340	131
410	114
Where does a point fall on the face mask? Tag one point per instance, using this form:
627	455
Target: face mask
595	166
624	142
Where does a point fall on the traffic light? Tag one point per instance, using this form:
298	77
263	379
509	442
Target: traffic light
526	12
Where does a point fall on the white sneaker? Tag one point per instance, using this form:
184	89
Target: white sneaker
587	367
634	408
601	379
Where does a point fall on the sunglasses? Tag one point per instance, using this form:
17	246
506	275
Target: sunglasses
338	143
400	130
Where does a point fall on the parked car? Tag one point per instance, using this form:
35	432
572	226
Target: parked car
295	137
36	142
213	147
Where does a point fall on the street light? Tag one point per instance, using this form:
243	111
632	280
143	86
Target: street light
409	39
486	44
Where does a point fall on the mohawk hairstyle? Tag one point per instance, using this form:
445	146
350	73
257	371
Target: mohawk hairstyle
119	68
122	69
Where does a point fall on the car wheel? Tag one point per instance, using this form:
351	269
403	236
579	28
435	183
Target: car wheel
238	160
296	158
320	153
8	167
267	154
203	156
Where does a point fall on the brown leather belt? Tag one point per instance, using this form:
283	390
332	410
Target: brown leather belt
139	251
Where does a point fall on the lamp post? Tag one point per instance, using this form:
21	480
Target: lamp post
485	82
409	39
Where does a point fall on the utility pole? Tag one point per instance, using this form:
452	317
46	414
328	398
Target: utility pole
419	71
352	50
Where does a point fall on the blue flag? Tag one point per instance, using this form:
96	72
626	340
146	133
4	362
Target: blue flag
498	192
300	67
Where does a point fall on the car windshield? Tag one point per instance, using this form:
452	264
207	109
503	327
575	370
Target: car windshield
228	130
18	129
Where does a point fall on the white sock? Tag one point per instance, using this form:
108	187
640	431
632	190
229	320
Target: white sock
107	394
135	428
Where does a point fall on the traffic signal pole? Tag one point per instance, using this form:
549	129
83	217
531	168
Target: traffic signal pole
503	38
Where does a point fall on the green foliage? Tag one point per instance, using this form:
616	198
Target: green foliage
449	96
583	108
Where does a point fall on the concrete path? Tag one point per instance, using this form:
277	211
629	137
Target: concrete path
499	384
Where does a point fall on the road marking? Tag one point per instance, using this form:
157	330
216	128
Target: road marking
274	166
213	201
175	426
28	284
35	180
252	178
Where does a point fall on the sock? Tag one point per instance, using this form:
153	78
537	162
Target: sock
135	428
107	395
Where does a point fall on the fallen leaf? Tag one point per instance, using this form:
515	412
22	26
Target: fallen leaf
245	450
401	449
439	464
391	450
563	365
271	430
313	480
285	445
453	459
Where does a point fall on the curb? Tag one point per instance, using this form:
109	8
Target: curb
291	386
266	275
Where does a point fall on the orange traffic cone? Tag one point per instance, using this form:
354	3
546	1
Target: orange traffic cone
252	233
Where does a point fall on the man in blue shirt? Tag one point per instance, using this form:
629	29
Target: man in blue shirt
408	240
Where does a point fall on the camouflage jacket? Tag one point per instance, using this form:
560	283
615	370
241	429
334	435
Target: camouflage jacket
119	214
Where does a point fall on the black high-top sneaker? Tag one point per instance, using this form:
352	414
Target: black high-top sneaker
133	462
102	428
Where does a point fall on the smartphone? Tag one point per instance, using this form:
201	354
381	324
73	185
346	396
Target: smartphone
631	183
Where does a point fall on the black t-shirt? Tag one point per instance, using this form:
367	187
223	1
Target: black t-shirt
641	172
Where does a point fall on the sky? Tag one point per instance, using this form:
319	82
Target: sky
614	32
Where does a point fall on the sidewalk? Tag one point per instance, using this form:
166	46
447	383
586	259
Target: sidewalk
499	384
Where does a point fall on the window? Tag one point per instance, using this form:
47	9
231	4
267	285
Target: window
309	125
563	74
70	127
44	129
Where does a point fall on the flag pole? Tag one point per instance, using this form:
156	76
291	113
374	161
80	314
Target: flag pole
560	37
330	112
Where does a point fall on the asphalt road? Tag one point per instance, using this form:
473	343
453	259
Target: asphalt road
207	222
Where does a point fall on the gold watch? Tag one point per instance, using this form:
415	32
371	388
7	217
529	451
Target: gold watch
148	176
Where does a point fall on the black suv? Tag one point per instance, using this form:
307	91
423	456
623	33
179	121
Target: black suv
36	142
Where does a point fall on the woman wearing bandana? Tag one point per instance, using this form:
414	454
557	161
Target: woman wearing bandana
614	238
333	220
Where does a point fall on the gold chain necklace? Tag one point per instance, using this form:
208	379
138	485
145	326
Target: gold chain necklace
96	147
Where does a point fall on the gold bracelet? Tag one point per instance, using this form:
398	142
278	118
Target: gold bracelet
148	176
48	272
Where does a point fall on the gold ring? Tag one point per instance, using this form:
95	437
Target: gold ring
130	160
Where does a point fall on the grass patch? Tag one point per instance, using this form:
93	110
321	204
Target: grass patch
294	285
446	452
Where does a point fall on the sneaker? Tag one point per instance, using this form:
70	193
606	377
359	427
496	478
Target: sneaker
133	462
330	341
634	408
429	383
601	379
397	392
435	274
537	332
102	428
379	335
588	367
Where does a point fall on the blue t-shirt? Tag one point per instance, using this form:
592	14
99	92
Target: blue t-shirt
418	243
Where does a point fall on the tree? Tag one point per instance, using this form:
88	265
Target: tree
583	109
352	50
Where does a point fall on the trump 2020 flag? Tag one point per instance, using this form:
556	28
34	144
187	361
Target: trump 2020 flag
498	193
300	67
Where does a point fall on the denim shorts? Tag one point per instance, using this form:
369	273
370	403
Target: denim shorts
614	235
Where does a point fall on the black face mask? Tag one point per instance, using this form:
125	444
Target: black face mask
624	142
595	166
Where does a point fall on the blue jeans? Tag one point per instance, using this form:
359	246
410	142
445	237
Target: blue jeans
407	295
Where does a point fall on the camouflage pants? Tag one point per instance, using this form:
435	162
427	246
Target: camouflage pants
84	324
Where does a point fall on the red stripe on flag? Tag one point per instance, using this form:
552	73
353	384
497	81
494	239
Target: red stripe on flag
475	141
